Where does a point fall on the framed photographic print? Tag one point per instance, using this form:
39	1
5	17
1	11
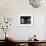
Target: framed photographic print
25	20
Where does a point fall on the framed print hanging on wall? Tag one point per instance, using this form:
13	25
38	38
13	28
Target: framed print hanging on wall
25	20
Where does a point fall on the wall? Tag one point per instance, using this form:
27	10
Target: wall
13	8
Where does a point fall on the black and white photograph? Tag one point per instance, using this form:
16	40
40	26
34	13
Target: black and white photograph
25	20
